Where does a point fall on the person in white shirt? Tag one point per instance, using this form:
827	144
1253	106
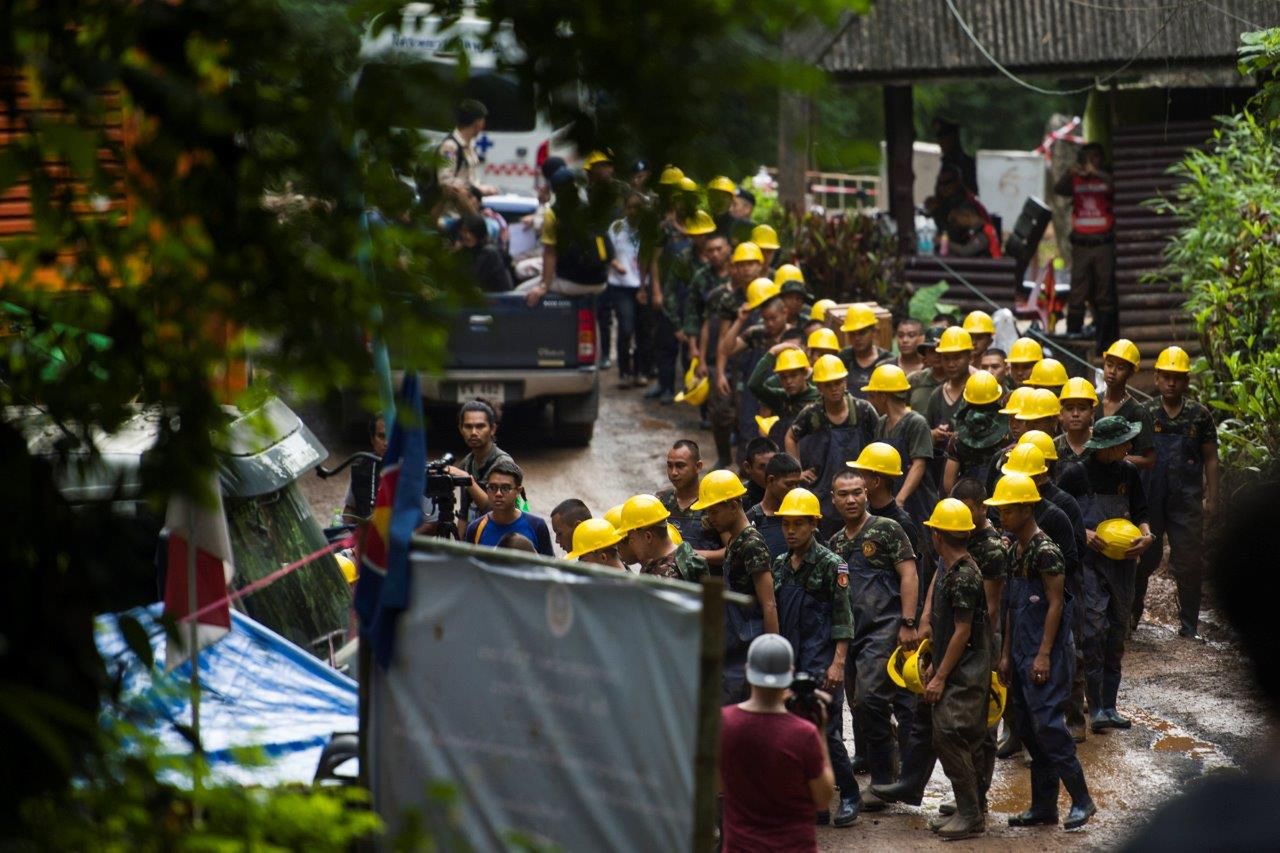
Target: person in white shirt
624	290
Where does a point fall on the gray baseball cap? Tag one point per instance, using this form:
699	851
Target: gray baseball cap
770	661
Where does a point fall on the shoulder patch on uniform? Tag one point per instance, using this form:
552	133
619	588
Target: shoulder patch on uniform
1157	426
868	549
842	568
842	578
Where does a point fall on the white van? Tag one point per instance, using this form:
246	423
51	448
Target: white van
420	56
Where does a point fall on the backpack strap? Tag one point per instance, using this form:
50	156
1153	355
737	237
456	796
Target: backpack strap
484	522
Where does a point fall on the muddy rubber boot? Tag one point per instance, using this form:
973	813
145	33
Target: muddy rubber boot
1082	806
1044	800
968	820
916	770
936	823
947	808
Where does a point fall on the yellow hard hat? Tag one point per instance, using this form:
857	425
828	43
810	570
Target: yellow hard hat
1125	350
786	272
595	158
1118	536
760	291
857	318
1048	373
951	515
823	339
1017	399
954	339
1040	403
979	323
691	375
614	516
348	567
673	533
894	666
747	251
688	185
800	503
914	666
888	378
1025	351
642	511
1042	440
829	368
722	184
1025	459
765	424
879	457
697	395
671	176
1014	489
592	535
793	359
996	698
820	308
981	389
1078	388
700	223
717	487
765	237
1173	360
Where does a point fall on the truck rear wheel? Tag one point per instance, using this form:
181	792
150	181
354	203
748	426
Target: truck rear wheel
575	417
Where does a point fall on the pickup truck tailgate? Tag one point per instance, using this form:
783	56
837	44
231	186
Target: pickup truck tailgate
505	334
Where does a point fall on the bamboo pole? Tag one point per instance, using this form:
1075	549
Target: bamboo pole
707	749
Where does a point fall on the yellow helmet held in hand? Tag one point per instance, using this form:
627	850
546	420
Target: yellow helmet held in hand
592	535
642	511
698	224
800	503
1048	373
691	375
745	252
1017	399
718	486
1040	403
697	395
1078	388
760	291
982	389
791	359
1025	351
829	368
997	696
1173	360
879	457
722	184
788	272
820	308
857	318
914	666
765	237
1118	536
896	662
1014	489
954	339
979	323
1025	459
348	567
823	339
889	379
671	177
765	424
1125	350
1042	440
952	516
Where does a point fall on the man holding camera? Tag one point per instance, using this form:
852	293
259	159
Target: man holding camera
811	587
774	766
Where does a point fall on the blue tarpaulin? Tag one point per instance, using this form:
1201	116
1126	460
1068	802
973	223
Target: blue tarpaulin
257	690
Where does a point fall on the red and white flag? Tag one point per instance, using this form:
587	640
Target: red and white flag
190	520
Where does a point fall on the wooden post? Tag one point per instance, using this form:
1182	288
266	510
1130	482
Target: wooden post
899	137
706	752
794	116
364	654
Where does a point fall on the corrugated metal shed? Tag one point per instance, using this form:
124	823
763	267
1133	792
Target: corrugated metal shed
906	40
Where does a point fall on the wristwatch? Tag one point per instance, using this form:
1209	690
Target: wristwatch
908	621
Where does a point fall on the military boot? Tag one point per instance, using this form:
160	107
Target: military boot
1044	800
1082	806
968	820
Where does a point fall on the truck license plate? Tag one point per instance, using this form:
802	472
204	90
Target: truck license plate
491	391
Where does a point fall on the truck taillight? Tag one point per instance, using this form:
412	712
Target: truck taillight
586	336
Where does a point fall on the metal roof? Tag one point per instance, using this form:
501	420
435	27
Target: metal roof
906	40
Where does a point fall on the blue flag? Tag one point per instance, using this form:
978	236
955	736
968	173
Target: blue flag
382	588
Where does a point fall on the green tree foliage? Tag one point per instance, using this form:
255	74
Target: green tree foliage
1228	259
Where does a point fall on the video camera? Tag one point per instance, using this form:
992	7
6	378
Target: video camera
442	487
805	701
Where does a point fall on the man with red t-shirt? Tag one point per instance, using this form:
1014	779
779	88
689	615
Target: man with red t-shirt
774	767
1093	244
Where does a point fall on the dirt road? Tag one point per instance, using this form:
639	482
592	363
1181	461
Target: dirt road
1191	714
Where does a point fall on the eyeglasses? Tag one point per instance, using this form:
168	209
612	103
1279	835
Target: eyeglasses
499	488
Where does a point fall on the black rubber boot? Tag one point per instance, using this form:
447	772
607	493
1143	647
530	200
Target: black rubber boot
1082	807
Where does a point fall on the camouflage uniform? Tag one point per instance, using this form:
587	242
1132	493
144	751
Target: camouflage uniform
722	411
813	614
682	564
702	286
923	383
689	522
859	375
960	717
745	558
1065	453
